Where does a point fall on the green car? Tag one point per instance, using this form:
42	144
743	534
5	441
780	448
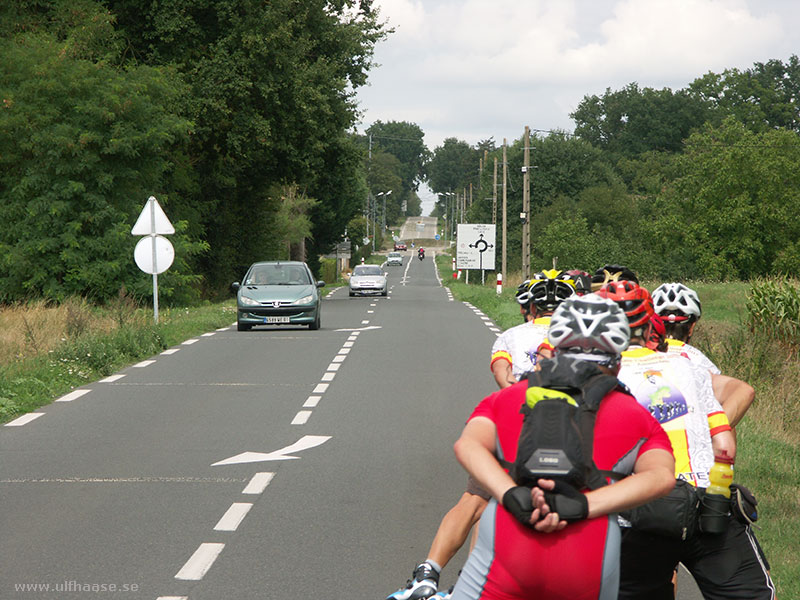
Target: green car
278	293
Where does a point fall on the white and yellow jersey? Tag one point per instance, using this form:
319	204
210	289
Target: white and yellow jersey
518	345
692	353
679	395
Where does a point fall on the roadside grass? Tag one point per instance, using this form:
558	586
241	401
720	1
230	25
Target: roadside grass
768	456
48	356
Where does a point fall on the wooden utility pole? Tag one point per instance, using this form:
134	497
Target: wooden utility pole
494	194
526	206
505	205
470	195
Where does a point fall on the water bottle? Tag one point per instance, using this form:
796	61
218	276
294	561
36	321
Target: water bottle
715	508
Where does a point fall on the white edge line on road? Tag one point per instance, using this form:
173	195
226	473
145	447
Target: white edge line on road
328	376
321	387
189	342
334	366
200	562
339	358
302	417
233	517
24	419
347	344
209	334
312	401
258	483
112	378
173	598
73	395
144	363
171	351
344	351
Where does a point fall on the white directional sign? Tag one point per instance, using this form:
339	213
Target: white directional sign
475	246
304	443
152	220
154	254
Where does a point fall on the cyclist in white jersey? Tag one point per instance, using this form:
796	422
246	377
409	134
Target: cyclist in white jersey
680	310
514	351
728	565
513	355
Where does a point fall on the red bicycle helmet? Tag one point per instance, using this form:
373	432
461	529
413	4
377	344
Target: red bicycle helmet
633	299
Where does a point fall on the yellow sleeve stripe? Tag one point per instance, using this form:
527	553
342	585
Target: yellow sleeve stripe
718	422
500	354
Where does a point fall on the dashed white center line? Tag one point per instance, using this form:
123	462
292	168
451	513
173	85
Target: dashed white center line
173	598
369	312
302	417
312	401
200	562
258	483
144	363
112	378
73	396
171	351
233	517
365	322
321	387
24	419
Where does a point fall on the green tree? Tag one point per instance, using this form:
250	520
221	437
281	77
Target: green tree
82	146
763	97
739	196
453	166
631	121
272	97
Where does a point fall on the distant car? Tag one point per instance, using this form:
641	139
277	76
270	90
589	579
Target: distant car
400	246
394	259
278	293
368	279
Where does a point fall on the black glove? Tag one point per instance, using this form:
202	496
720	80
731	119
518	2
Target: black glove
518	502
570	504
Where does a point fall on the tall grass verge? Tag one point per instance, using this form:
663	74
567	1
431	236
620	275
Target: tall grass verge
68	351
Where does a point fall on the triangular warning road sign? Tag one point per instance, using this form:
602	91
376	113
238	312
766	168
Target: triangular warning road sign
152	220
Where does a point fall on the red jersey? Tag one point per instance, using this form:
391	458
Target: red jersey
511	561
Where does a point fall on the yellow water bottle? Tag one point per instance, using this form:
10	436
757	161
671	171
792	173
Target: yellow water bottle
715	510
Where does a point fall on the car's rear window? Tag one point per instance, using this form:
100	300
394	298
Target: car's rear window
367	270
277	274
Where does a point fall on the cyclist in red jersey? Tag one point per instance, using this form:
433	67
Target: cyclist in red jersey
513	559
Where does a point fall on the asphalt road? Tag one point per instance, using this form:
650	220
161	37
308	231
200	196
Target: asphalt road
336	452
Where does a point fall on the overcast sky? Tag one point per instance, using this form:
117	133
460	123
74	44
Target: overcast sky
476	69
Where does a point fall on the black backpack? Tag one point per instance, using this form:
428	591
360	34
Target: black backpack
557	435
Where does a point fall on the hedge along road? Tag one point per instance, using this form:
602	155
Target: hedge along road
336	452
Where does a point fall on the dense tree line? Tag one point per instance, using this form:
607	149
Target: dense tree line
702	182
236	114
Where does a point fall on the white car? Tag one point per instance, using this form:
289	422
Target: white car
368	279
394	259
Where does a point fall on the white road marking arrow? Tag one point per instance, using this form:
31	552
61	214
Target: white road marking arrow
305	442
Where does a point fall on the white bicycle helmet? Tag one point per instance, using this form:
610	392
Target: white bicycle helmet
590	328
671	299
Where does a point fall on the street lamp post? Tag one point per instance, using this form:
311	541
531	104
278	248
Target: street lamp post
375	228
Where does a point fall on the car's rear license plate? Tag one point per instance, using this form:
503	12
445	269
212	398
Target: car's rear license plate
276	319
